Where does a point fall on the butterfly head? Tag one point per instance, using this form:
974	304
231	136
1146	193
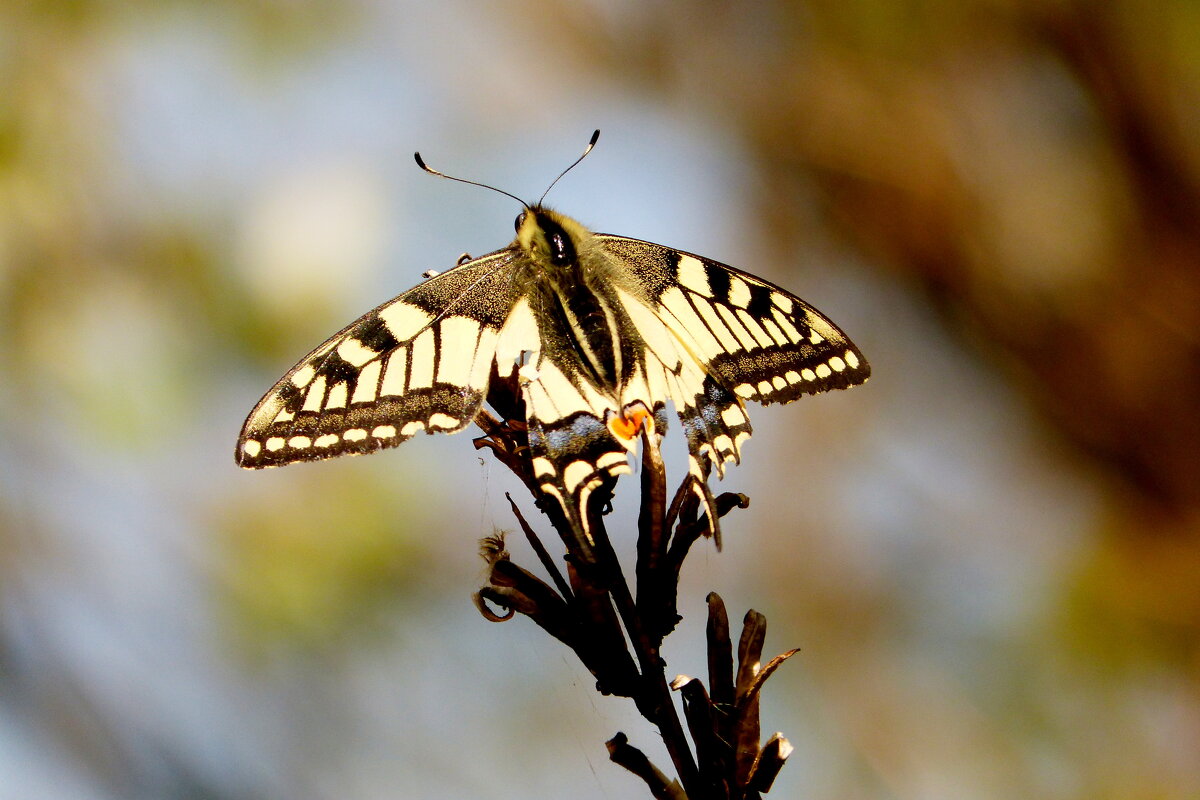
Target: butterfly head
548	237
545	236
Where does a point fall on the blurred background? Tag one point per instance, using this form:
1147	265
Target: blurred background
990	554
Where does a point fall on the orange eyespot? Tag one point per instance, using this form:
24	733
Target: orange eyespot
630	424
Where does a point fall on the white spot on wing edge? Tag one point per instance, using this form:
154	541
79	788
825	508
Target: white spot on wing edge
404	320
326	440
303	376
692	275
355	352
851	359
739	292
251	448
384	432
733	416
443	421
354	435
412	428
300	442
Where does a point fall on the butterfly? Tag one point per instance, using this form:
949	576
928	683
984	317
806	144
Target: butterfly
600	332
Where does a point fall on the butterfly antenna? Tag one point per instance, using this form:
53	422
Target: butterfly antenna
588	149
421	163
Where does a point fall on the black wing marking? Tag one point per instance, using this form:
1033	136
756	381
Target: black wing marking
419	362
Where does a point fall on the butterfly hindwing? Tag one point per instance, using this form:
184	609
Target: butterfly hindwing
419	362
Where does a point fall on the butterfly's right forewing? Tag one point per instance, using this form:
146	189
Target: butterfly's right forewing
735	336
761	341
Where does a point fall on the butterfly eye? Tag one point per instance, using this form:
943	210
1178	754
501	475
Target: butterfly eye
520	221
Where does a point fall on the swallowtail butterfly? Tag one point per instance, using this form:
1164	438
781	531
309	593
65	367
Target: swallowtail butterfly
601	331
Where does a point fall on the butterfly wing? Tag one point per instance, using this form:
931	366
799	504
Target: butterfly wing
721	336
419	362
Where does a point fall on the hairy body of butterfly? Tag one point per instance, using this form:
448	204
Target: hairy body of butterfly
602	332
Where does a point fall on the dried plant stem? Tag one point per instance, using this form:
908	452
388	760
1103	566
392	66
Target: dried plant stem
654	700
618	634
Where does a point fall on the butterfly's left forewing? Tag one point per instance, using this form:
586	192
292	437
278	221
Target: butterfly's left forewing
419	362
725	336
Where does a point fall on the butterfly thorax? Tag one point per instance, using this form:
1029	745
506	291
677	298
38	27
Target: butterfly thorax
572	291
